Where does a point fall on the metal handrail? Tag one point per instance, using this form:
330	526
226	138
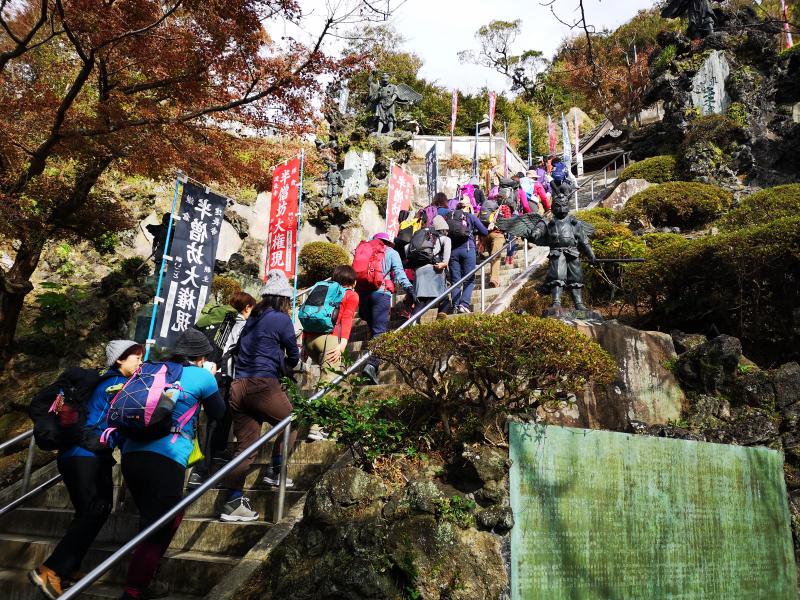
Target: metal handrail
15	439
283	426
623	155
28	495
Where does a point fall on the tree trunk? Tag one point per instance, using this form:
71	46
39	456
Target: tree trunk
14	286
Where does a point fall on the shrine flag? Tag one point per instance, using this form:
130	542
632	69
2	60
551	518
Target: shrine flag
432	171
551	130
492	108
566	145
196	232
283	218
454	114
398	197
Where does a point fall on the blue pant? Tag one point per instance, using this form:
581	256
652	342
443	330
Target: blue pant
512	247
462	261
374	308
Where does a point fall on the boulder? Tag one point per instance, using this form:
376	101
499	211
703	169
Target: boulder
624	192
497	519
481	471
686	341
341	494
645	390
786	380
710	367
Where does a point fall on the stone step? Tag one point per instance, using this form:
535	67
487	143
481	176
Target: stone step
187	572
14	585
198	534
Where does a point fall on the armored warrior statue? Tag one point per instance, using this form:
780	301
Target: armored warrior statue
385	98
567	237
699	12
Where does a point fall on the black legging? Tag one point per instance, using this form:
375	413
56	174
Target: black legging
156	484
90	486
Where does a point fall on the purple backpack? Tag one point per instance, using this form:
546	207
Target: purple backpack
142	409
430	213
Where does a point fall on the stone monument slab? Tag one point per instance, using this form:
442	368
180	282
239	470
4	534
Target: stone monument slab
358	164
609	515
708	85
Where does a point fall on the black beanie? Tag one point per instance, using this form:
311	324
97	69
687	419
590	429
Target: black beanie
193	343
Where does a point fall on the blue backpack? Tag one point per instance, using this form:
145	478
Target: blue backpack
320	311
142	409
560	172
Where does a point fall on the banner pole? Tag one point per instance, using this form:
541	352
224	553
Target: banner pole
297	233
150	341
388	190
530	156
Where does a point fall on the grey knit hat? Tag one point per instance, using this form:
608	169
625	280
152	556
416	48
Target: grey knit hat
193	342
439	223
115	349
277	285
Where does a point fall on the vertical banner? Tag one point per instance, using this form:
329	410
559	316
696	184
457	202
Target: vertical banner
786	28
492	108
551	132
453	115
567	146
475	153
432	171
189	273
505	149
398	197
530	145
283	218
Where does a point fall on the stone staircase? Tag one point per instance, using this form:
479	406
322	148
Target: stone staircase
201	554
205	550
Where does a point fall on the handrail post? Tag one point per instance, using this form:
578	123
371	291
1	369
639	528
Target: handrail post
605	176
26	476
284	470
592	182
483	287
525	251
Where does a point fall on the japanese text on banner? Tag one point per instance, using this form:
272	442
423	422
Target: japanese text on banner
196	232
400	194
282	238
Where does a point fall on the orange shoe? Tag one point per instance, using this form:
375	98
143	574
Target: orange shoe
47	581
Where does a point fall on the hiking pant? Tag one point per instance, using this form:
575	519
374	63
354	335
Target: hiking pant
90	488
217	442
495	241
462	261
321	350
374	308
156	484
253	401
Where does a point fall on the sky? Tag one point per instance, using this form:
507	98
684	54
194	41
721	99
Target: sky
437	29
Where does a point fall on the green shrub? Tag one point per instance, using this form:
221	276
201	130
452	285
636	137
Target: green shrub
319	259
656	240
379	196
745	283
664	59
719	130
737	112
764	206
222	288
528	300
678	204
656	169
484	366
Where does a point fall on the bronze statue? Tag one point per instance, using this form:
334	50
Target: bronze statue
385	97
699	12
334	181
567	237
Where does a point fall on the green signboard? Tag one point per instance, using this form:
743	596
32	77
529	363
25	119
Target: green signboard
603	515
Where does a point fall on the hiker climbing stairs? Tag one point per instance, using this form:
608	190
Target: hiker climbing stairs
201	554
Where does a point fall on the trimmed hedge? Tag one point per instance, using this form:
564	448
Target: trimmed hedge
656	169
678	204
744	283
319	259
764	206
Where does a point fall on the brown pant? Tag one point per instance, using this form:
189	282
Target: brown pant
494	241
254	400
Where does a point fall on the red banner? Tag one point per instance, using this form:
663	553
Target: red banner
492	107
454	114
282	237
399	196
551	129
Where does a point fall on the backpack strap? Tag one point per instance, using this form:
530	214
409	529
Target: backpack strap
182	422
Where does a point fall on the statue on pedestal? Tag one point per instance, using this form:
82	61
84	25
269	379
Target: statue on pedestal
567	238
384	98
699	12
334	182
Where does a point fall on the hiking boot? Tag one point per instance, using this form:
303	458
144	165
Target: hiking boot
195	480
493	283
156	589
47	581
371	372
273	478
238	510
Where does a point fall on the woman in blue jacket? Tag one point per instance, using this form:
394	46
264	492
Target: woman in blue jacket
154	469
267	347
86	470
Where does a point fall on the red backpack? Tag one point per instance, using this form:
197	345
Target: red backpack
368	265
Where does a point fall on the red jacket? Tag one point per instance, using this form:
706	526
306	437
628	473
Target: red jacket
344	323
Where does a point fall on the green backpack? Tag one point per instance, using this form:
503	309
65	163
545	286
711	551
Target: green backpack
216	322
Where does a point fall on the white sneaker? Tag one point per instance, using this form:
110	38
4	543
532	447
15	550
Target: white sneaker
317	434
238	510
273	478
464	309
